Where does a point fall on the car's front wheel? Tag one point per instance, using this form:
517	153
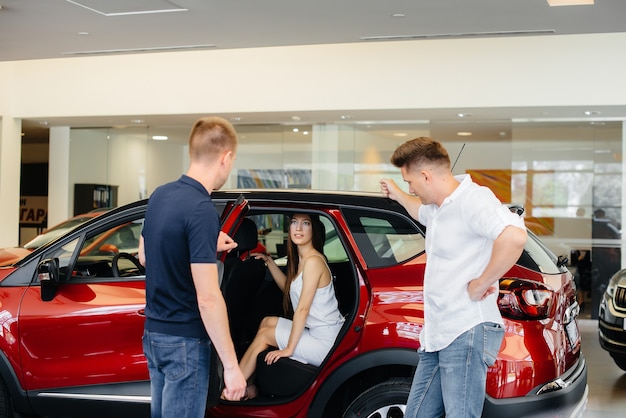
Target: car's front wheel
385	400
620	361
6	410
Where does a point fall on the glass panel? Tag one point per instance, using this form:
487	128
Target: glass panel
383	238
100	251
273	232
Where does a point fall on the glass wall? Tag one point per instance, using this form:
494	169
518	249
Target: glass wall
568	175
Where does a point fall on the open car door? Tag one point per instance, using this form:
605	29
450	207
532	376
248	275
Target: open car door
231	219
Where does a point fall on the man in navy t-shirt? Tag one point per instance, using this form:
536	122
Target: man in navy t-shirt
185	310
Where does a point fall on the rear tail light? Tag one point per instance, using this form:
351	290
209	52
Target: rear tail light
524	299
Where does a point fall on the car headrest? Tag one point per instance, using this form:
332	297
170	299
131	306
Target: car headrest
247	236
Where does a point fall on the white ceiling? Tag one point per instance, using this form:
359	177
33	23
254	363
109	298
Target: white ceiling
36	29
32	29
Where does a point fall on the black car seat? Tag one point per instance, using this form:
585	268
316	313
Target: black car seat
285	378
243	276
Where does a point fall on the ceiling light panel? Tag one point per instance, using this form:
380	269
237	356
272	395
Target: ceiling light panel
127	7
569	2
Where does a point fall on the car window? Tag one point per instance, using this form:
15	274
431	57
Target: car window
64	254
273	231
384	238
56	232
110	252
537	257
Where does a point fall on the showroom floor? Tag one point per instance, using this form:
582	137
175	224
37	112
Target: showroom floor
606	381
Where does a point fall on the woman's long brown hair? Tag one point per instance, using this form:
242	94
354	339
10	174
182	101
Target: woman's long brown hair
293	261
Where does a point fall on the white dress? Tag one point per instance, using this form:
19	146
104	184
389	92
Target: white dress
321	328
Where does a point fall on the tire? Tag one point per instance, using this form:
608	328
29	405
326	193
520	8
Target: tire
385	400
620	361
6	408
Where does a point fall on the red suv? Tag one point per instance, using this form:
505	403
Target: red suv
72	320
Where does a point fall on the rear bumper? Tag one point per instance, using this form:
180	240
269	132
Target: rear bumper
568	399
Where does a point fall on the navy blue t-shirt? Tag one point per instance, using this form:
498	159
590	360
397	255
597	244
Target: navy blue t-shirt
180	228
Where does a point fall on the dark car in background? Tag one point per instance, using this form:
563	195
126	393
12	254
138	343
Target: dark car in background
72	319
612	319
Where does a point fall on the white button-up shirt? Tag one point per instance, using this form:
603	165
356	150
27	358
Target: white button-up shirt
459	241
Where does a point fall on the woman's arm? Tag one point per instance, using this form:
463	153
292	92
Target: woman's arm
279	277
313	271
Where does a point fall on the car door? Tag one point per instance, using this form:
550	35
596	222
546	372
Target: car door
231	219
88	332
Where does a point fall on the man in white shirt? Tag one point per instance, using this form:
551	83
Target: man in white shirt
471	241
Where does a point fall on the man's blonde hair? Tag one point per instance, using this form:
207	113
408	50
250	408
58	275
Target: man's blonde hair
210	136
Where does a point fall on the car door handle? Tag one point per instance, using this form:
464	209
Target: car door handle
142	312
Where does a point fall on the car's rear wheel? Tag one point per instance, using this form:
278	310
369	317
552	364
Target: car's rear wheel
385	400
620	361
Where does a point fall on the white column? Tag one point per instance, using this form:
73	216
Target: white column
59	208
333	157
10	163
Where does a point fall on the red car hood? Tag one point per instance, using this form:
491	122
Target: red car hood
11	255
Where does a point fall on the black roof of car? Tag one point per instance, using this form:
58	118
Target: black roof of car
323	197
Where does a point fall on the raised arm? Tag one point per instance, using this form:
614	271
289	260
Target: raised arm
410	202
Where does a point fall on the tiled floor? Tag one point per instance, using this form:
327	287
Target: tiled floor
606	381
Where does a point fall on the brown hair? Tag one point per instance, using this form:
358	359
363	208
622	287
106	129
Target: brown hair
293	261
210	136
420	151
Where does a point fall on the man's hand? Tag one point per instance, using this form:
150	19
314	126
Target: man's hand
390	189
477	291
235	384
225	243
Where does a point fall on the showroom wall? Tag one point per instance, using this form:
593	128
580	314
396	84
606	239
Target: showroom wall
491	73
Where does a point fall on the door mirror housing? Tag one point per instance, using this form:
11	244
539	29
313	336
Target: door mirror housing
48	277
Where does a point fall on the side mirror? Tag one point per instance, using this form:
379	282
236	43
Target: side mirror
48	276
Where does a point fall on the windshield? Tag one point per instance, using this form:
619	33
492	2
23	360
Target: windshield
56	232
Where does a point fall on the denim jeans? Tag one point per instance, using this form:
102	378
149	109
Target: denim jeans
179	374
453	380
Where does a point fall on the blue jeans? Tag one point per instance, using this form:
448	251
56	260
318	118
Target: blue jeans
179	374
453	380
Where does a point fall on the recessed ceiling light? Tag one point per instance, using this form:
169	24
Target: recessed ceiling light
137	121
463	133
591	113
400	134
295	130
305	132
464	115
346	117
83	33
398	15
295	118
569	2
160	137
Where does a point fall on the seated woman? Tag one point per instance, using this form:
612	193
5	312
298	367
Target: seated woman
316	319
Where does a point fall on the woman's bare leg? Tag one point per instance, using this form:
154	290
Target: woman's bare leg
264	339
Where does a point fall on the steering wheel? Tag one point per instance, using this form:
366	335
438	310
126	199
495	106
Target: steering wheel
129	257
